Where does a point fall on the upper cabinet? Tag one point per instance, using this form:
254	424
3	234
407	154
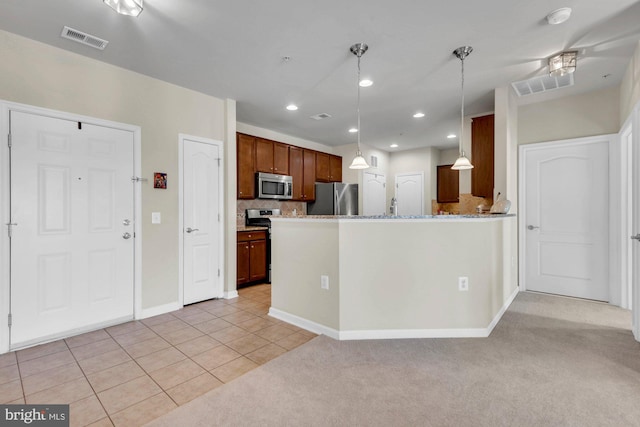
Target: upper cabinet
272	157
302	166
448	184
328	168
482	156
246	146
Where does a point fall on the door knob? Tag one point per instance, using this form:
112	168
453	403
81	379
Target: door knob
126	236
636	237
532	227
190	230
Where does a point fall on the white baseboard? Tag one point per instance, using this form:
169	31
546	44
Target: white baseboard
379	334
300	322
230	295
160	309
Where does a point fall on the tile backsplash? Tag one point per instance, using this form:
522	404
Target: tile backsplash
287	208
467	205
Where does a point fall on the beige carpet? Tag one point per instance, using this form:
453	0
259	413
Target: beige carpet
551	361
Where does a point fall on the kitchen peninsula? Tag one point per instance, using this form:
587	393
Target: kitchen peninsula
393	277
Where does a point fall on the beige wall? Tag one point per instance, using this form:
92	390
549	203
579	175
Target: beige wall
419	160
37	74
592	113
506	146
630	86
281	137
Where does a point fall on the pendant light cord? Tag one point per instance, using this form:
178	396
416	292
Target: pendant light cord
358	105
462	109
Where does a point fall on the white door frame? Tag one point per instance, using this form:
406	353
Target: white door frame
614	191
624	229
5	187
181	138
635	282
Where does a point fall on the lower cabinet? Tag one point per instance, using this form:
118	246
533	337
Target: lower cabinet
251	256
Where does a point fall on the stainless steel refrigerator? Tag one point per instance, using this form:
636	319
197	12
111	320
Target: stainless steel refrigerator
334	198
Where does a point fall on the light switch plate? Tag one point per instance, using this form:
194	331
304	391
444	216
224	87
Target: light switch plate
156	218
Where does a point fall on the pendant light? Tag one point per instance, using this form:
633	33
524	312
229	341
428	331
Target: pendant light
125	7
359	162
463	162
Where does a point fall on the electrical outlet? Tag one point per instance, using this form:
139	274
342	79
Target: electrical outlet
156	218
324	282
463	283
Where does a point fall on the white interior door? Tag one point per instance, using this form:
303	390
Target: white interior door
72	243
374	195
635	171
567	218
202	233
410	193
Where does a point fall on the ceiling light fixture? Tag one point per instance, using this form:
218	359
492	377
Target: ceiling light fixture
451	135
462	163
394	146
366	83
559	16
562	64
353	130
125	7
292	107
418	115
359	162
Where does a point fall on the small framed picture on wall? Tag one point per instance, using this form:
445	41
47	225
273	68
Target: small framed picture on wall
159	180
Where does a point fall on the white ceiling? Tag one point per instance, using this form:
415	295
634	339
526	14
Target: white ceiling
235	48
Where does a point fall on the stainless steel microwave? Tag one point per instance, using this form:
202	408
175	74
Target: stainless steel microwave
271	186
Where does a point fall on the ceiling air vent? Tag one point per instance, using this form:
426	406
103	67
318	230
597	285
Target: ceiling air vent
542	84
84	38
320	116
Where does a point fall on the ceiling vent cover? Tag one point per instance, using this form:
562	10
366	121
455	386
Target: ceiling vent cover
542	84
84	38
320	116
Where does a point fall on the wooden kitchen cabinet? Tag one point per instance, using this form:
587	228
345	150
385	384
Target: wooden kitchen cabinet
448	184
246	145
302	168
335	168
251	256
482	156
322	167
272	157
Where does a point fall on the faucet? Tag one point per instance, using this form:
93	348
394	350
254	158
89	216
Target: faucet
393	209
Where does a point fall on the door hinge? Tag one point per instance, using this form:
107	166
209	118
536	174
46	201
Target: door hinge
9	140
218	159
218	217
9	320
218	272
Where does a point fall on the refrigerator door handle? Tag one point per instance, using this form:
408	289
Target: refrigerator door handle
336	202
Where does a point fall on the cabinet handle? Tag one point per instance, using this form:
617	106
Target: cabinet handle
249	235
252	246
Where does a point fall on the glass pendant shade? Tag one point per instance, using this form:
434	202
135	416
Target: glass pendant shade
359	162
125	7
563	64
462	163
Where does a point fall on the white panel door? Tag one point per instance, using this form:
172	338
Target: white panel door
72	203
374	195
567	220
410	193
202	232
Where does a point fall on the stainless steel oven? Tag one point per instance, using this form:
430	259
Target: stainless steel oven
271	186
260	217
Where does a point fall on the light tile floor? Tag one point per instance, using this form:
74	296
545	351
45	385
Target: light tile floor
129	374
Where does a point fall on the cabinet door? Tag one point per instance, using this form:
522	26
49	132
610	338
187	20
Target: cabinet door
335	169
246	166
309	176
482	132
258	263
243	263
280	158
296	170
322	167
264	155
448	184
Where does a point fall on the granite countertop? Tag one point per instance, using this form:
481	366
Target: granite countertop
396	217
251	228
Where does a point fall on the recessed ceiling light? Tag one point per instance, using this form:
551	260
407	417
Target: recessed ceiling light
292	107
394	146
451	136
366	83
353	130
418	115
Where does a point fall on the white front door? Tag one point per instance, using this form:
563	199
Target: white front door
202	232
374	195
72	243
566	218
410	193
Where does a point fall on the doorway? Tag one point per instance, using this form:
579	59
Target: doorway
565	225
410	193
201	223
71	246
374	194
